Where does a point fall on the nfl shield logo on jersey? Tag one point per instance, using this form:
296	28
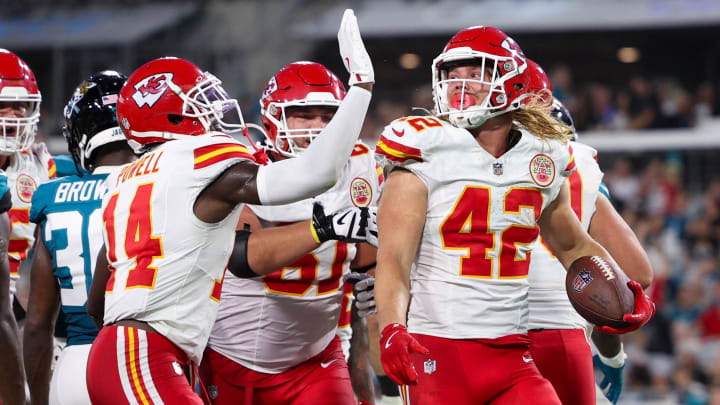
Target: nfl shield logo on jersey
429	366
498	169
582	280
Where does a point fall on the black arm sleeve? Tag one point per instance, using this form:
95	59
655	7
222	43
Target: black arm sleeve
5	202
238	264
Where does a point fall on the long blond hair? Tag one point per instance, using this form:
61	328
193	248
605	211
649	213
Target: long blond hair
535	118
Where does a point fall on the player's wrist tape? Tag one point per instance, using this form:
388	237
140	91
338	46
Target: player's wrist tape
314	232
616	361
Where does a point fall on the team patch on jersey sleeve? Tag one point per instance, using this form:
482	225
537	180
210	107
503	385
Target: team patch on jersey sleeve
542	170
208	155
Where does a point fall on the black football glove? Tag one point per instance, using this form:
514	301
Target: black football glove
352	225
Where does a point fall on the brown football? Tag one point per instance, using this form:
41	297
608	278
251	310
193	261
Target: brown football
598	291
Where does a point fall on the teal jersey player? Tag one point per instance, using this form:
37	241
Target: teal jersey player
68	211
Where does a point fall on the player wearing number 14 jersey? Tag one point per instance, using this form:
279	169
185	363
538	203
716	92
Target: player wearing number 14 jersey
463	202
169	218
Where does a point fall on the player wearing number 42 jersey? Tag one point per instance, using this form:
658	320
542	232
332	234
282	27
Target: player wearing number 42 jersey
169	219
463	202
68	212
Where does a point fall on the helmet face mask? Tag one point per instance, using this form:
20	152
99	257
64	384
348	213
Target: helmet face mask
298	86
210	103
502	63
171	98
18	86
90	120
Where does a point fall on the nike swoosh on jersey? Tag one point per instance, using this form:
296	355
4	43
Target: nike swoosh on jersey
527	360
326	365
398	133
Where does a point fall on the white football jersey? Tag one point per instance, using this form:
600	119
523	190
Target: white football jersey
470	275
168	264
270	324
27	171
549	304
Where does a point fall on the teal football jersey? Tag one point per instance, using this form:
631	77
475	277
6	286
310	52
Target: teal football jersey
68	211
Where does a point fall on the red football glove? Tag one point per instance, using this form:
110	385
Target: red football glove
396	345
644	311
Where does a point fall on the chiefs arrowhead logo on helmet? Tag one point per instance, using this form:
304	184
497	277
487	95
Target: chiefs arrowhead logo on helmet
270	88
150	89
511	46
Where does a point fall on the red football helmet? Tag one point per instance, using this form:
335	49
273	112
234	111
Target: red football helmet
538	83
494	50
171	98
18	85
299	84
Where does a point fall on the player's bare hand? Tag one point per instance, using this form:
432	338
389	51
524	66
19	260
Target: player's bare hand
352	51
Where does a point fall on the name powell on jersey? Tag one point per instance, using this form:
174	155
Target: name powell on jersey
150	89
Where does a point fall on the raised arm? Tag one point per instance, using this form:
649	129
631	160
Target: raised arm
12	374
43	307
319	167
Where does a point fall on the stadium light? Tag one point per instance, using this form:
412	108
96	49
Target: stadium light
409	61
628	55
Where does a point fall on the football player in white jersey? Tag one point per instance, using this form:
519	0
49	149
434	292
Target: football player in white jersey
467	194
68	212
169	218
557	333
12	374
287	352
26	163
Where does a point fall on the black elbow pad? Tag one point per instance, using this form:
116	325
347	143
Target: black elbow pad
238	264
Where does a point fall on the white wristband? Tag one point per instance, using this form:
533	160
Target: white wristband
616	361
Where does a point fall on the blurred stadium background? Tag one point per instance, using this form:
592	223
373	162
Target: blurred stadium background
641	78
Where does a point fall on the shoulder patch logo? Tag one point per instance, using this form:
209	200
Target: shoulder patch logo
360	192
542	170
26	187
150	89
